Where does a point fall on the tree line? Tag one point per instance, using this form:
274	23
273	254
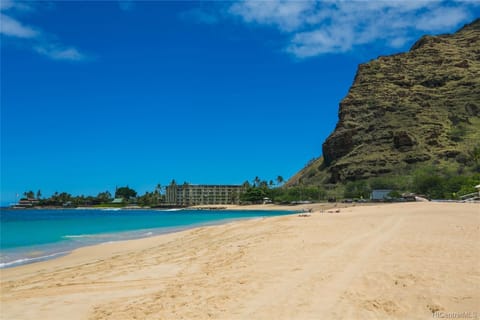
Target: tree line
125	195
427	181
261	191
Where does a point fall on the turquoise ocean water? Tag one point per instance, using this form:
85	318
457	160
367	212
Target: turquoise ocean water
28	236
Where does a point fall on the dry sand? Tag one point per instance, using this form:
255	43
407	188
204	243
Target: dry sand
396	261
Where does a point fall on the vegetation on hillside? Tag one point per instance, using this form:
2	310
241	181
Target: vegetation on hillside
412	119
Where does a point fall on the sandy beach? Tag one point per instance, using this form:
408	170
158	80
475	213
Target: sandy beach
389	261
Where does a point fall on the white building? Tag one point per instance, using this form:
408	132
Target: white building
202	194
380	194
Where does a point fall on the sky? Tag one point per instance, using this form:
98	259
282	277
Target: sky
96	95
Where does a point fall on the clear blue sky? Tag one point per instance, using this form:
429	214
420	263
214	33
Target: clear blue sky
102	94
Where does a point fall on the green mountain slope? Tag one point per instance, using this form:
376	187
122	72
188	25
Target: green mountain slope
405	111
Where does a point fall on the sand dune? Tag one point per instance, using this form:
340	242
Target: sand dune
396	261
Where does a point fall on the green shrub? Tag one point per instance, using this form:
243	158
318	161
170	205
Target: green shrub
441	185
357	189
298	193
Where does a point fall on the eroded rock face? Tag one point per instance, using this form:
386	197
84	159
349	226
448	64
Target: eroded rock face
340	145
402	109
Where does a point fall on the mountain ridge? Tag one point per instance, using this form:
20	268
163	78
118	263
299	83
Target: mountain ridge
407	110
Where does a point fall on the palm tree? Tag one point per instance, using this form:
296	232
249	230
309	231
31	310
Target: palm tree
29	194
158	192
280	180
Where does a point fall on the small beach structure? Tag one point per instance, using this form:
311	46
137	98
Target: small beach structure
380	194
26	203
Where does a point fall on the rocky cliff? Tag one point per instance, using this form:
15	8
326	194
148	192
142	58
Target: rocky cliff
405	110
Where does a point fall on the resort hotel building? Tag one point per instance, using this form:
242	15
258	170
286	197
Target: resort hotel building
202	194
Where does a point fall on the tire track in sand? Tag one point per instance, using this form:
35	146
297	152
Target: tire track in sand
323	282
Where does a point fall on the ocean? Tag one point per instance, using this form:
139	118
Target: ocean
28	236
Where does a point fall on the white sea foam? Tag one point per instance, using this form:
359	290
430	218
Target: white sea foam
30	260
74	236
88	236
107	242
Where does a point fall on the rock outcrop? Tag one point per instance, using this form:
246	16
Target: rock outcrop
422	106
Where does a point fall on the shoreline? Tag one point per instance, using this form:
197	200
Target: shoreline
48	251
304	210
84	251
66	250
270	206
301	209
395	261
